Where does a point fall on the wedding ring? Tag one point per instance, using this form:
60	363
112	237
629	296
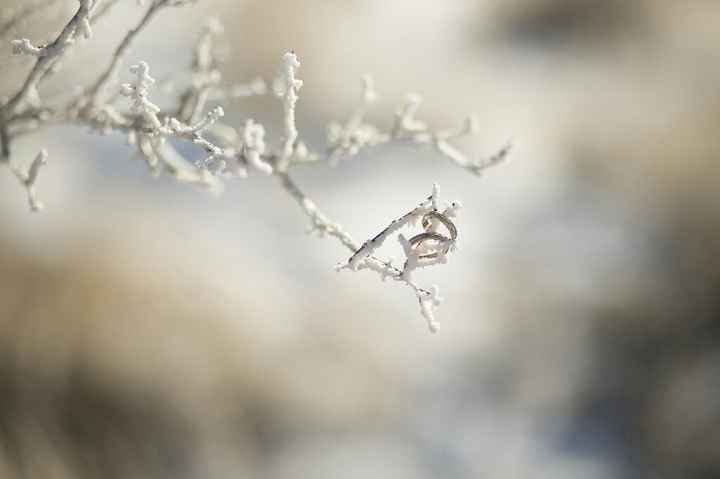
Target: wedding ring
444	242
427	223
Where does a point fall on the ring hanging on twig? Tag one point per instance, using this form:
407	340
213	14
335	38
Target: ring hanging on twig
427	223
444	243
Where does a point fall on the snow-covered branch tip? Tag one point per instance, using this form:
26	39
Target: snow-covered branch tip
356	134
138	93
427	248
290	85
29	178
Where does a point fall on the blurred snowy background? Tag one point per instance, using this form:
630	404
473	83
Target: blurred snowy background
151	330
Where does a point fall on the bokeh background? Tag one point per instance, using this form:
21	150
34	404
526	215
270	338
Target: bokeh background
149	330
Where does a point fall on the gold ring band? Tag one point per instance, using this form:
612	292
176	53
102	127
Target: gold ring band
427	223
417	240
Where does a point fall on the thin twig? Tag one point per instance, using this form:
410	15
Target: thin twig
45	61
325	226
98	88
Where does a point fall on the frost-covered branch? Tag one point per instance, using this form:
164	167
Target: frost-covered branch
319	222
46	56
428	248
28	178
98	89
349	139
230	152
290	86
363	255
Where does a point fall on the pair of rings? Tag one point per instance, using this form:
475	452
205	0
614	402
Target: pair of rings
442	243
